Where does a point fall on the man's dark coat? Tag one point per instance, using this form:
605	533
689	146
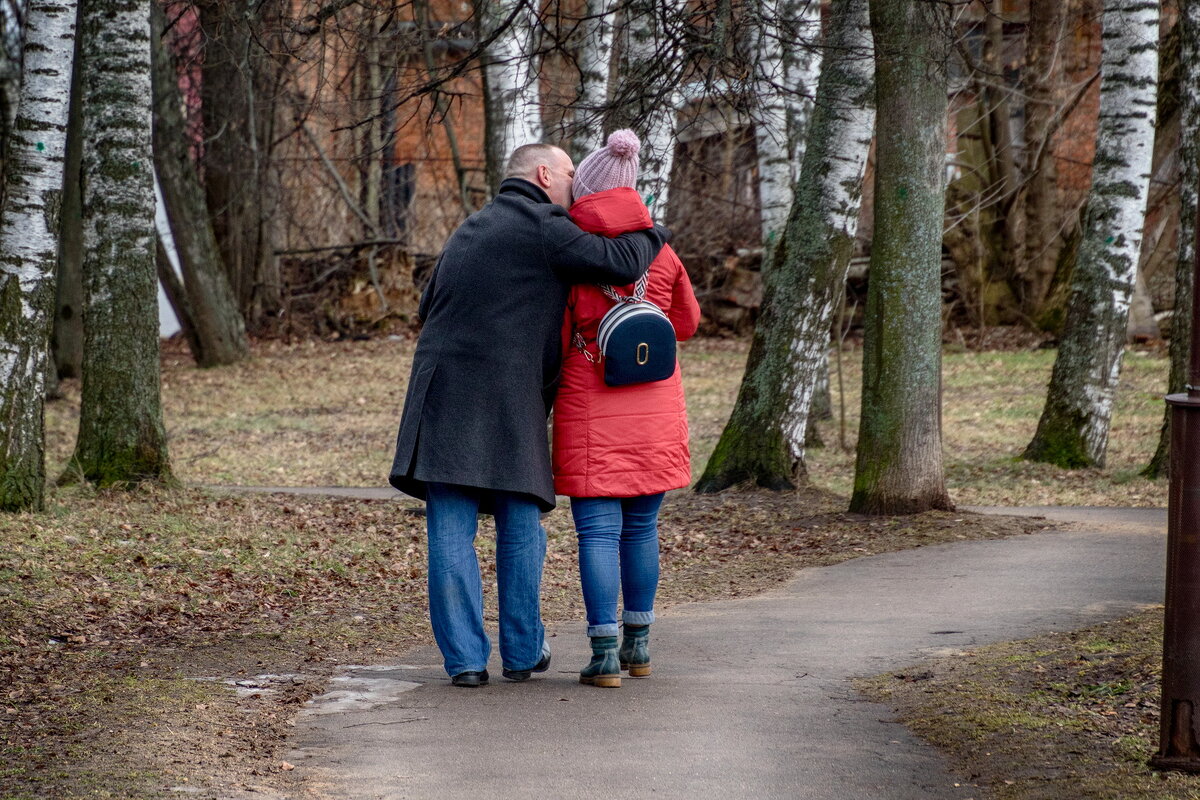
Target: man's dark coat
487	363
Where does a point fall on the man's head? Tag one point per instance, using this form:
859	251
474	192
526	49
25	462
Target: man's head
546	166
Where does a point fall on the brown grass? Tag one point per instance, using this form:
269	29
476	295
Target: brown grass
325	414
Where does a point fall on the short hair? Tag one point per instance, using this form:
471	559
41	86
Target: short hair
527	158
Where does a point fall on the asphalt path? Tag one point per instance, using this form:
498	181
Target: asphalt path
750	698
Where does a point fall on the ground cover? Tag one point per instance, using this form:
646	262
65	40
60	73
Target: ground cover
113	605
317	413
1060	715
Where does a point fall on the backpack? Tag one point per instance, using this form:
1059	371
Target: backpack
636	340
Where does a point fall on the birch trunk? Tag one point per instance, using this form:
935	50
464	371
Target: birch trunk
514	107
899	462
764	439
218	332
29	249
1185	264
595	61
647	96
787	67
1073	429
121	438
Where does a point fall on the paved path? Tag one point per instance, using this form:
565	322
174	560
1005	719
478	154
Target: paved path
749	698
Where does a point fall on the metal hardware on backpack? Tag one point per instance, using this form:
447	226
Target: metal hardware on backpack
636	339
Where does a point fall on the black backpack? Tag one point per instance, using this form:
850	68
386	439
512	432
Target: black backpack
636	340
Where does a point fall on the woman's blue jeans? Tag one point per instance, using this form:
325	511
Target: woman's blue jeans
618	551
456	588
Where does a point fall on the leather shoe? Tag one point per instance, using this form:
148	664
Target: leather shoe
523	674
470	680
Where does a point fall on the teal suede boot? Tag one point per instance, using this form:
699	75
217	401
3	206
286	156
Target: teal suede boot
635	650
605	667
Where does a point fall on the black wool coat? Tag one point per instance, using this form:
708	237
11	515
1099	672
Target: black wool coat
487	362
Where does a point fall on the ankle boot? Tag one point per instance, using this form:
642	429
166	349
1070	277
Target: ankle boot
605	667
635	650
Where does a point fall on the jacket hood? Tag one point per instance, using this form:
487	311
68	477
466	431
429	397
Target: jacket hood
612	212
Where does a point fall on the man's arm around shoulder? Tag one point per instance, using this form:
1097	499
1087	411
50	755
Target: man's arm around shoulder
580	257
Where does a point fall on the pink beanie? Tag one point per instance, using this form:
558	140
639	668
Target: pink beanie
615	164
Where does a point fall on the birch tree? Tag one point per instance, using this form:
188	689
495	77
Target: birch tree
1185	264
647	98
787	66
898	469
765	436
595	61
121	437
29	248
513	105
1073	429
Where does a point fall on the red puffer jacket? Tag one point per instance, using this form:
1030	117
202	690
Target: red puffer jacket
621	441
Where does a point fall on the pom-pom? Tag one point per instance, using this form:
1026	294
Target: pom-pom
624	144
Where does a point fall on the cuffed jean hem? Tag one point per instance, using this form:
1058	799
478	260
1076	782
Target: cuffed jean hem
637	617
607	629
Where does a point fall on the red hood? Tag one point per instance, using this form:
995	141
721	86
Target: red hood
611	212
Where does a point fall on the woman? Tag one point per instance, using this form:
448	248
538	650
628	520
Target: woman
618	449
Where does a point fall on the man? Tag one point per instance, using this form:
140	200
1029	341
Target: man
473	432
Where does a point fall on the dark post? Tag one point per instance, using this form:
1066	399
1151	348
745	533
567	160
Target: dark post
1179	747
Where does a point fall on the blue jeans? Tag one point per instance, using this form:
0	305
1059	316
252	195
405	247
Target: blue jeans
618	550
456	588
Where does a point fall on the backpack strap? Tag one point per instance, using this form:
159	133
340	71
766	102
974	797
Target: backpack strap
639	291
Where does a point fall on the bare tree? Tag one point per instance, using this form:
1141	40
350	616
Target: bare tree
764	439
787	66
899	463
595	63
217	328
121	437
513	108
1073	429
29	248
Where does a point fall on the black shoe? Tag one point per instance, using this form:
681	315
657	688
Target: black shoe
470	680
523	674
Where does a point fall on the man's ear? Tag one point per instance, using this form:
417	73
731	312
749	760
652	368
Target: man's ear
543	176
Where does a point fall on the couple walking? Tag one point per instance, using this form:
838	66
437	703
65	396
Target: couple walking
510	317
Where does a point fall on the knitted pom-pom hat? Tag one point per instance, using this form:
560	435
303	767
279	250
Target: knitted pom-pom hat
615	164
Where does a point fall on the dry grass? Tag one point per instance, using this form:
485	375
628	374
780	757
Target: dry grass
325	414
1060	715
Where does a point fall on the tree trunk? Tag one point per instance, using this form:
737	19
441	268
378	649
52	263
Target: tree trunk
1073	429
764	439
787	68
218	333
514	106
595	62
647	97
1042	78
1185	265
899	462
121	438
67	341
29	249
238	94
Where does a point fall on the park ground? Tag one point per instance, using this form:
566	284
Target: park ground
128	619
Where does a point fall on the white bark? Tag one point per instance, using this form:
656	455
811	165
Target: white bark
764	438
29	246
837	168
787	67
653	54
595	59
1073	430
511	72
